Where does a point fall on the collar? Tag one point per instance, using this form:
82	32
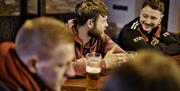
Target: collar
156	35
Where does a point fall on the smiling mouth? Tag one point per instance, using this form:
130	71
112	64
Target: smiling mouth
147	25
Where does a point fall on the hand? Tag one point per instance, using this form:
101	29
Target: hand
80	66
111	58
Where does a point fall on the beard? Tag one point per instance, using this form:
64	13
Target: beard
95	33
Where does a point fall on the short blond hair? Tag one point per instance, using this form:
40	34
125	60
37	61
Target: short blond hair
40	36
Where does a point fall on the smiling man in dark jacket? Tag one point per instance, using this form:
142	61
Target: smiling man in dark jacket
146	31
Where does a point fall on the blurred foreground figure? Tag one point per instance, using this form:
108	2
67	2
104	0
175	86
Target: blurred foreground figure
40	59
148	71
146	31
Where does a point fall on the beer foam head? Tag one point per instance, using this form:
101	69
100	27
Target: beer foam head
93	69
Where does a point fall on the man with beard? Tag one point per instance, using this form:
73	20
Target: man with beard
88	28
146	31
40	59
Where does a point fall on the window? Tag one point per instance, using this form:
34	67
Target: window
9	7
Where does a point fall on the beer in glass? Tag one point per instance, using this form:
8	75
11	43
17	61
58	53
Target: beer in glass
93	69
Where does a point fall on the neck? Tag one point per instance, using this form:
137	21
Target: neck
83	34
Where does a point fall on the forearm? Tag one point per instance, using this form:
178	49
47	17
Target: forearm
108	44
173	49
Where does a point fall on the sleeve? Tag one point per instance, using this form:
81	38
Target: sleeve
108	44
166	37
173	48
131	39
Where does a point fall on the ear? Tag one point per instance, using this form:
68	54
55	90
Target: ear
90	23
162	15
31	64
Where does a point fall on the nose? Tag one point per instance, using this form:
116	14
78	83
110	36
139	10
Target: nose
70	70
106	24
148	21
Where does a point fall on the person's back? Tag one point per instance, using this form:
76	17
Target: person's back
40	59
148	71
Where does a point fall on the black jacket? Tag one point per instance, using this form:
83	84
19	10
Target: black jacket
132	38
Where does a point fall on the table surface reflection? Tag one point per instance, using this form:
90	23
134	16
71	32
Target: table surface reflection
80	84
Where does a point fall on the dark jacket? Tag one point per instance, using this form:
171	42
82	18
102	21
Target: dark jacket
132	38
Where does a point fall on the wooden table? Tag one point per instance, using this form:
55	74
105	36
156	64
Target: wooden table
80	84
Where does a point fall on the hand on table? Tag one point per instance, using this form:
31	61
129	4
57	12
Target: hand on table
80	66
113	59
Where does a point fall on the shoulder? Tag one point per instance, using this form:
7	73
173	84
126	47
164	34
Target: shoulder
70	23
132	25
164	32
130	29
5	47
7	44
105	37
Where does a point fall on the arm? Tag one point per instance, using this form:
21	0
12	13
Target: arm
110	49
108	44
173	47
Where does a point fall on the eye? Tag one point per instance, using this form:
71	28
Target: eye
145	16
153	18
68	63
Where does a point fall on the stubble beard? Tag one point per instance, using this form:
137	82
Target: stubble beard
95	33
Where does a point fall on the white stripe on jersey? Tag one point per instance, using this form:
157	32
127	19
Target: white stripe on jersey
134	25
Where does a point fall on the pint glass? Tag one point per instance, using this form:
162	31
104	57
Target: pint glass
93	70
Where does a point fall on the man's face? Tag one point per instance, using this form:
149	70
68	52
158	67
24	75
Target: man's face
54	71
100	26
150	18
